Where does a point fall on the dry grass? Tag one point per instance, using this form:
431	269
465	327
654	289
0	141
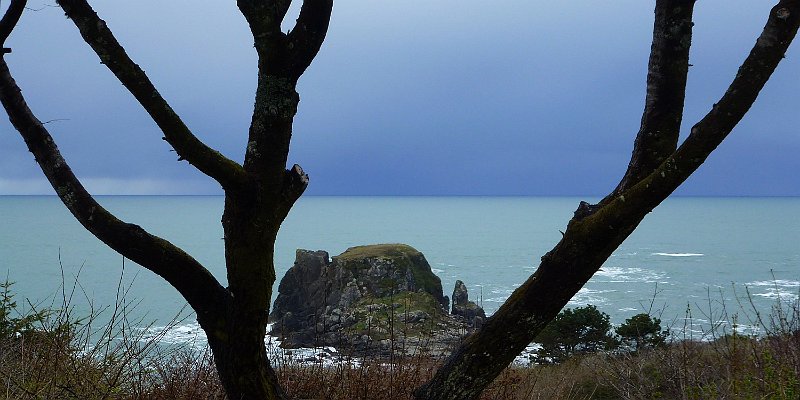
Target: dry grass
729	368
732	367
114	360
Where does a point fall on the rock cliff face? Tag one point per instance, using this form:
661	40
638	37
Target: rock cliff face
369	297
464	309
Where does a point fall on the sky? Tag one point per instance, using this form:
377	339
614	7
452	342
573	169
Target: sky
413	97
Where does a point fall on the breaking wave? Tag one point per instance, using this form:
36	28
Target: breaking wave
623	274
777	289
775	283
589	296
193	336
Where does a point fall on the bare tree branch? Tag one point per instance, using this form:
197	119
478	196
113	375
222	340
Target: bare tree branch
591	238
264	16
769	50
711	130
271	128
281	61
309	32
95	32
203	292
258	195
666	90
9	21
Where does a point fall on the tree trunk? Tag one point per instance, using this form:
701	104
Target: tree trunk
258	194
596	230
563	271
241	360
236	338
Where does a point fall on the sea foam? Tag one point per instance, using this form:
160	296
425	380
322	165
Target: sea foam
623	274
678	254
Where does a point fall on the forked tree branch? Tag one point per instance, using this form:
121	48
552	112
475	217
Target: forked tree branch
264	15
714	127
309	32
282	59
203	292
95	32
590	240
667	70
264	18
284	55
9	21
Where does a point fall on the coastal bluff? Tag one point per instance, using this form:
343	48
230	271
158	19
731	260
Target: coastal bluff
374	298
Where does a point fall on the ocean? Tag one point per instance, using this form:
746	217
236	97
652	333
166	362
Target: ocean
695	262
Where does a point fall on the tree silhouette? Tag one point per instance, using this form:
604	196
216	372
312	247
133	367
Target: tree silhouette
575	331
657	167
642	331
260	191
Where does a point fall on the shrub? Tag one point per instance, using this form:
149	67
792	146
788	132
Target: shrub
47	353
575	331
12	322
642	331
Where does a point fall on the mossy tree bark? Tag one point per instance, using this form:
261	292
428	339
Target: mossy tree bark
656	169
258	193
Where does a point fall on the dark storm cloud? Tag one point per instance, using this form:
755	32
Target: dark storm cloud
412	97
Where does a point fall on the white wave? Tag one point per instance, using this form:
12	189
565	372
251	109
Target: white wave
437	270
178	334
678	254
744	329
589	296
325	356
778	294
496	299
524	358
626	309
622	274
778	289
775	283
191	334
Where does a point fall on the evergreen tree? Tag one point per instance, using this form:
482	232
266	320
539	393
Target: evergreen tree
575	331
642	331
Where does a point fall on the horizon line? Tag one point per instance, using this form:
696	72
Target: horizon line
423	195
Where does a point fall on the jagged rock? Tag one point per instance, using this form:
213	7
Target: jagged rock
468	311
361	298
414	316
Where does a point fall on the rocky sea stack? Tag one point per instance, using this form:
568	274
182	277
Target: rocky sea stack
370	298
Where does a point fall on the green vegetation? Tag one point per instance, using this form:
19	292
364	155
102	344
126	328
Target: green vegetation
402	256
378	251
585	330
47	355
575	331
424	277
642	331
409	313
12	322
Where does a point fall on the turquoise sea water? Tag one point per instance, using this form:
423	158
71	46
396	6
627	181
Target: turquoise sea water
695	252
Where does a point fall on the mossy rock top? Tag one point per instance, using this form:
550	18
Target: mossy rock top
389	250
366	295
402	256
